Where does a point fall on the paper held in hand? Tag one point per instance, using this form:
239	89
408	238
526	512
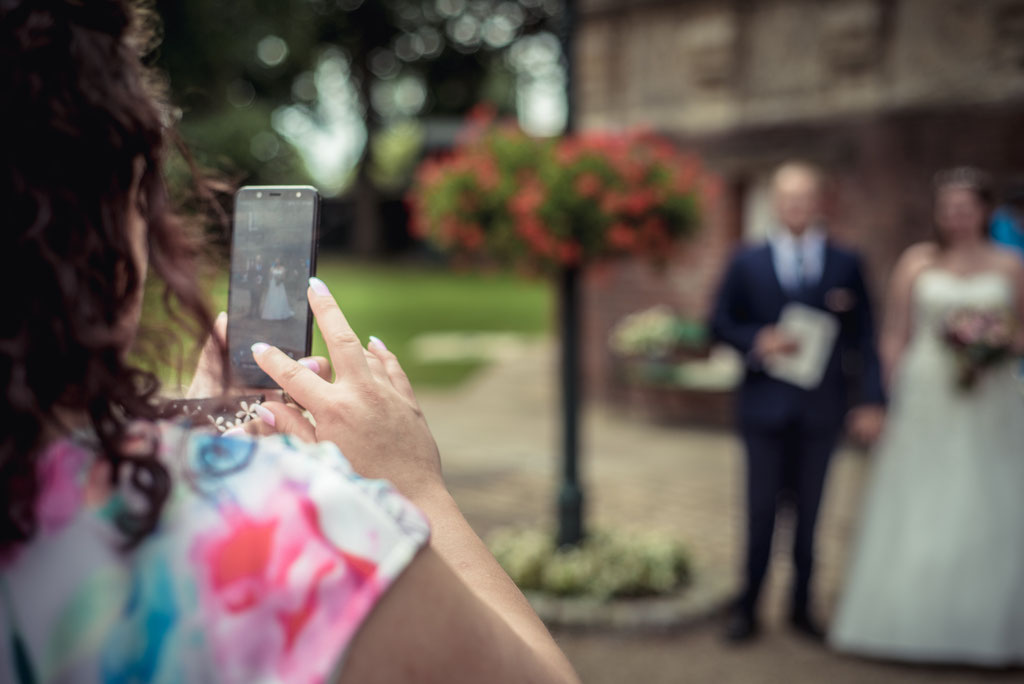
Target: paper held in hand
815	331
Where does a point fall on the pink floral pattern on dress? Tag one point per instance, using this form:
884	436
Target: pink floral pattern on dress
62	474
268	558
276	591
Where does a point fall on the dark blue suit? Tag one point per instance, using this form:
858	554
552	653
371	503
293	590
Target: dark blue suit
790	432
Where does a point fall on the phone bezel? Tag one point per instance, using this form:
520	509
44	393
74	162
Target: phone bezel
241	373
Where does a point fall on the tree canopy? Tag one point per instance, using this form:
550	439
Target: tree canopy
296	90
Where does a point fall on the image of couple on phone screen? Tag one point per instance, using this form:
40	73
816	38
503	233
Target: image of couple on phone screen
267	289
271	264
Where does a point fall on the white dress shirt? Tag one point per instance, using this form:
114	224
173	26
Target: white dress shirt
799	261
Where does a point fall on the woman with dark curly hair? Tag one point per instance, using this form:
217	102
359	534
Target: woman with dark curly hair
937	573
139	549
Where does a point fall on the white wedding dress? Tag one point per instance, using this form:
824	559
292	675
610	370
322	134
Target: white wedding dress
938	572
276	306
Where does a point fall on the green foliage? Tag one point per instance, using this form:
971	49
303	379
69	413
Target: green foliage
227	88
606	565
398	303
229	141
395	152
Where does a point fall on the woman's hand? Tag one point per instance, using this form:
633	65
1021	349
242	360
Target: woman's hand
369	411
866	423
208	379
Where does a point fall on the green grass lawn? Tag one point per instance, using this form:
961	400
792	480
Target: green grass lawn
397	303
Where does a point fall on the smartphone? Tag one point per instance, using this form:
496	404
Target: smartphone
273	254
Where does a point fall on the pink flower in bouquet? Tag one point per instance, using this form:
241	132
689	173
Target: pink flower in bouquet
999	334
979	339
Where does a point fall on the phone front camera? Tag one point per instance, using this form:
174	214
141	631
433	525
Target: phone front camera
298	194
259	195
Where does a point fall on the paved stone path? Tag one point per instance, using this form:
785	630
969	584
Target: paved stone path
499	436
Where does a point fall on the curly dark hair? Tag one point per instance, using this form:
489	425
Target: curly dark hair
81	112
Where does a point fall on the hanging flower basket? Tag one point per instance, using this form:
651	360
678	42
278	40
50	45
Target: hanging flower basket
505	198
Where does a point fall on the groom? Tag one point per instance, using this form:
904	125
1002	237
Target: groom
790	432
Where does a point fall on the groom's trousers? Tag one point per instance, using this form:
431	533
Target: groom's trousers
787	463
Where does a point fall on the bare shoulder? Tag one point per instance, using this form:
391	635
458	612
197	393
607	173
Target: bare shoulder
921	252
916	259
1006	260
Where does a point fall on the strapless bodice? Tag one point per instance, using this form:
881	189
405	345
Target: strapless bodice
938	292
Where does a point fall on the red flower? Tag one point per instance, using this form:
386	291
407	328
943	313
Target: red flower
568	151
639	201
472	237
621	236
487	175
588	185
482	114
570	253
528	199
611	203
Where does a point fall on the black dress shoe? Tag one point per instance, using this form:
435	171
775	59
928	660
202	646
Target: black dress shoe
806	627
741	628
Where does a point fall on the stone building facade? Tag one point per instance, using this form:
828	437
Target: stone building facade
881	93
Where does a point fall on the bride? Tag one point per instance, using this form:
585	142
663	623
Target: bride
276	306
938	573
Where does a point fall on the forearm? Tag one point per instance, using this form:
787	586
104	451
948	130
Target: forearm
730	321
454	540
891	353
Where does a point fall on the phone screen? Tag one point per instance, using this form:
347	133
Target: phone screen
273	254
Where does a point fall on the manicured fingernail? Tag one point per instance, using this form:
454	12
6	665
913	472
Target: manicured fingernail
319	286
311	364
235	431
265	415
259	348
377	344
222	316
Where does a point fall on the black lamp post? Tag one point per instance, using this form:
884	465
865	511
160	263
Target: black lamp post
570	494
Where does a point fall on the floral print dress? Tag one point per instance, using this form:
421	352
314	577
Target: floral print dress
269	555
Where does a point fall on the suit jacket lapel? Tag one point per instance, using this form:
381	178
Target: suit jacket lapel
827	264
814	295
768	258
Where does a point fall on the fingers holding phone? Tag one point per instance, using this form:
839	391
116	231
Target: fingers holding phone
369	411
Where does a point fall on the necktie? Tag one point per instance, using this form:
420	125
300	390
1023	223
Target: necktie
799	269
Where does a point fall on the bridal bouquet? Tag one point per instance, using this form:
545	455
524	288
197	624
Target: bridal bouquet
979	339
